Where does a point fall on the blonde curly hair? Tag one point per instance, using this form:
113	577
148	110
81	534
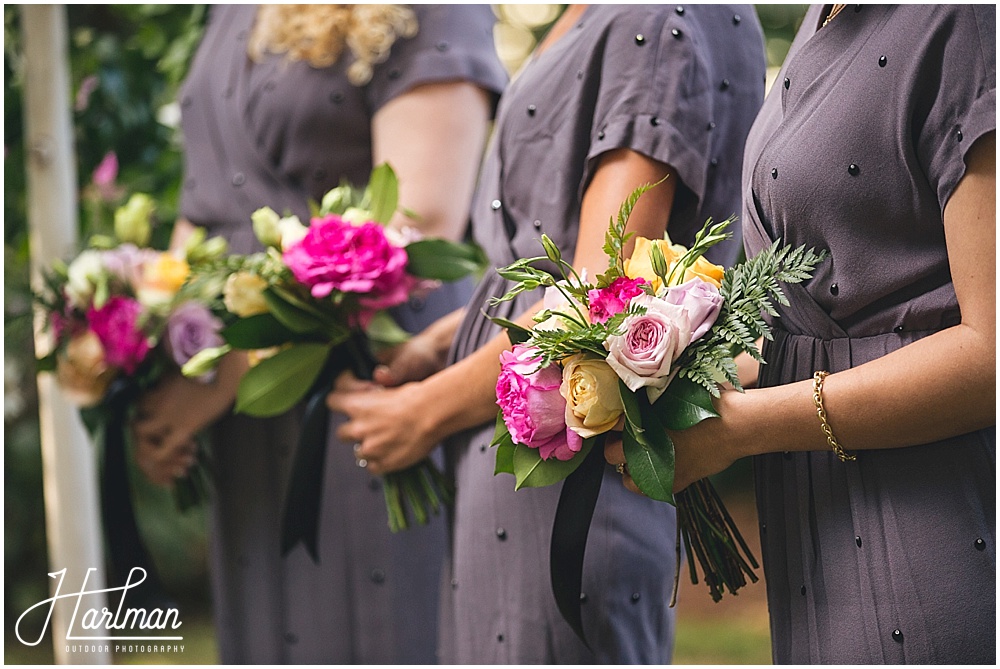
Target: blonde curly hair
317	34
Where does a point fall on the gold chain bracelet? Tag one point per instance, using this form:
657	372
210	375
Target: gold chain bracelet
818	378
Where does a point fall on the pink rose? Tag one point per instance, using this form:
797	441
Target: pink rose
533	410
336	255
612	300
642	356
192	328
127	262
116	325
702	301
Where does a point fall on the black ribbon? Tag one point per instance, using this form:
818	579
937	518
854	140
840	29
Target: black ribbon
126	549
569	535
305	486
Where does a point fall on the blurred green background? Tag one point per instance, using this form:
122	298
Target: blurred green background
127	62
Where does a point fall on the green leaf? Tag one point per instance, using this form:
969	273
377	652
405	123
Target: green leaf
46	364
651	467
278	383
500	430
684	404
516	333
254	332
632	411
383	329
292	316
533	472
442	259
382	194
505	457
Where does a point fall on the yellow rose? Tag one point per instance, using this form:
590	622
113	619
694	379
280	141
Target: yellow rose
161	279
593	401
243	294
640	265
82	371
705	271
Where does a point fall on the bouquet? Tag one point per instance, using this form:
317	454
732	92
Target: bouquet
121	315
314	304
643	349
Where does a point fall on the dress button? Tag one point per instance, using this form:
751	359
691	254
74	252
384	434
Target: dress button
636	597
724	85
857	540
898	328
336	97
763	528
241	35
834	289
774	173
186	102
416	303
532	109
679	10
710	126
442	46
655	121
600	135
500	638
239	179
714	162
736	19
395	73
882	61
803	590
537	224
640	39
583	598
786	455
501	534
454	584
980	544
482	448
579	74
853	170
494	205
788	82
270	85
897	635
677	33
378	576
958	135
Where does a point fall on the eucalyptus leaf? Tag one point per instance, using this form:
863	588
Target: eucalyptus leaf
533	472
684	404
278	383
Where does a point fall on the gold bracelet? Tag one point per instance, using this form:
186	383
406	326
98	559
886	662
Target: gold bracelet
818	378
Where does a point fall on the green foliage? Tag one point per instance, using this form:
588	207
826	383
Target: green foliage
749	291
278	383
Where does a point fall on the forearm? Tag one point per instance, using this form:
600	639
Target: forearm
938	387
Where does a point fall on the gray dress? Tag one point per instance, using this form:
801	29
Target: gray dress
278	134
891	558
680	85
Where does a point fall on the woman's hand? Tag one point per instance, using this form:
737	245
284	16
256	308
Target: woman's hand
391	428
424	354
172	413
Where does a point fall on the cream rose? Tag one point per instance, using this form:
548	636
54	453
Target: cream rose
82	370
593	401
243	294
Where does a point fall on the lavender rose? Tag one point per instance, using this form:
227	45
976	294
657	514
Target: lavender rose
702	301
192	328
652	341
532	408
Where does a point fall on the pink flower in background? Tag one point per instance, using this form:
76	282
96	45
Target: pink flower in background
127	262
105	176
702	301
336	255
116	325
87	87
533	409
610	301
192	328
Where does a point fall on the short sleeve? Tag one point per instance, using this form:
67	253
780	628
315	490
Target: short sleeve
654	95
453	43
955	92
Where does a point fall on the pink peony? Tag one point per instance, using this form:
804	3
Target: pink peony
607	302
336	255
191	328
533	410
116	325
702	301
